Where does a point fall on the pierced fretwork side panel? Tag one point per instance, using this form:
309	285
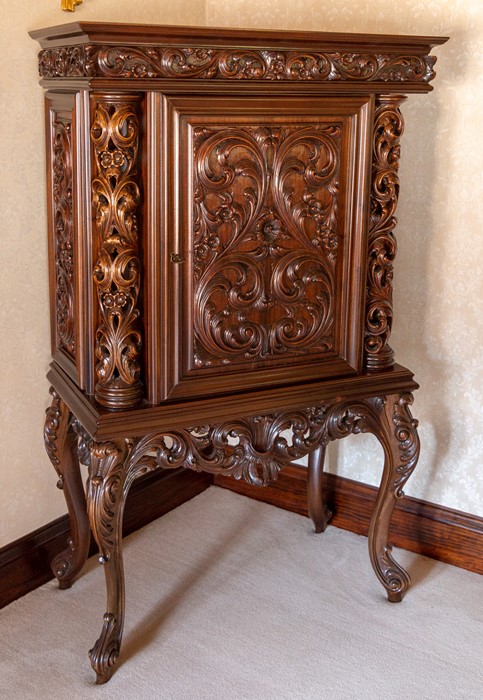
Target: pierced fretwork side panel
63	234
266	236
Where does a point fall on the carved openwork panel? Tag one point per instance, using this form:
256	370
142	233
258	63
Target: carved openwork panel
262	261
63	234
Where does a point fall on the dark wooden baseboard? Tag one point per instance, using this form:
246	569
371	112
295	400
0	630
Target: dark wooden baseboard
426	528
25	563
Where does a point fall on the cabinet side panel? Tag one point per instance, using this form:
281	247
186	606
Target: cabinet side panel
61	198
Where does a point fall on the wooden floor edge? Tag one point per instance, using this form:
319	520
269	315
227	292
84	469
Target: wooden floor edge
430	529
25	563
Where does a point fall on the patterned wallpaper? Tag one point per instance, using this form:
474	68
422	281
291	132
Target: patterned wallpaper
438	328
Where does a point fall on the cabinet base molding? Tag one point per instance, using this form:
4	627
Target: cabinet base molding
25	563
433	530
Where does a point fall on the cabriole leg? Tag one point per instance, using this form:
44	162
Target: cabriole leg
61	446
318	510
400	441
105	499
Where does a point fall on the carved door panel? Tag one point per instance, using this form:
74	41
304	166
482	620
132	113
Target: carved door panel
266	232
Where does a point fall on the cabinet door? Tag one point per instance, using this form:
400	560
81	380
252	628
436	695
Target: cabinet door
261	276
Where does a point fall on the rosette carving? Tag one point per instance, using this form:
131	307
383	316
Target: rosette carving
388	128
232	64
63	235
116	199
265	241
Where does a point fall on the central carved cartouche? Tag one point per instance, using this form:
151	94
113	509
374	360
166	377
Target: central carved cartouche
265	236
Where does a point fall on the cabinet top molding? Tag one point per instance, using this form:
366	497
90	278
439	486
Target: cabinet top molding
107	50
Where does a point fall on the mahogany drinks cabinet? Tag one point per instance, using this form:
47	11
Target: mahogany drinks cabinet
221	215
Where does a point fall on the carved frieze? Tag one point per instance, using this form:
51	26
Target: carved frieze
63	242
388	128
265	241
232	64
116	198
253	449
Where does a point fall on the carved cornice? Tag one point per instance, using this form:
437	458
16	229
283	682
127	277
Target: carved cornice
91	61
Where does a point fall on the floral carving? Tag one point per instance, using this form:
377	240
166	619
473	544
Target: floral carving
232	64
63	235
116	198
265	241
388	128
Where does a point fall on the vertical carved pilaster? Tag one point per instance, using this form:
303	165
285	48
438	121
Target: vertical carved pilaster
400	441
388	128
116	199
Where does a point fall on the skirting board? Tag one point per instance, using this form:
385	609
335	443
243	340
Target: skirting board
25	563
418	526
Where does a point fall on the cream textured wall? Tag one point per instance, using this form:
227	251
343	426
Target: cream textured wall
28	497
438	328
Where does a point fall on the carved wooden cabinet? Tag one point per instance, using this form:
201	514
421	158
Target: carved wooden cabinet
221	214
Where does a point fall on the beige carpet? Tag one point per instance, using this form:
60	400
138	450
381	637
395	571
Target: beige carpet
230	599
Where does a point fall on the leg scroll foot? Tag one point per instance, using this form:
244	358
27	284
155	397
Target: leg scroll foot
105	653
106	498
400	441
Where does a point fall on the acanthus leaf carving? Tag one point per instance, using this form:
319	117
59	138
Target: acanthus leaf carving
253	449
388	128
62	184
265	241
233	64
406	434
116	199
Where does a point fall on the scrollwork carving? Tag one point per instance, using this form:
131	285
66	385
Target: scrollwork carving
105	652
105	493
116	198
232	64
400	441
405	432
54	424
265	241
388	128
63	234
254	449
